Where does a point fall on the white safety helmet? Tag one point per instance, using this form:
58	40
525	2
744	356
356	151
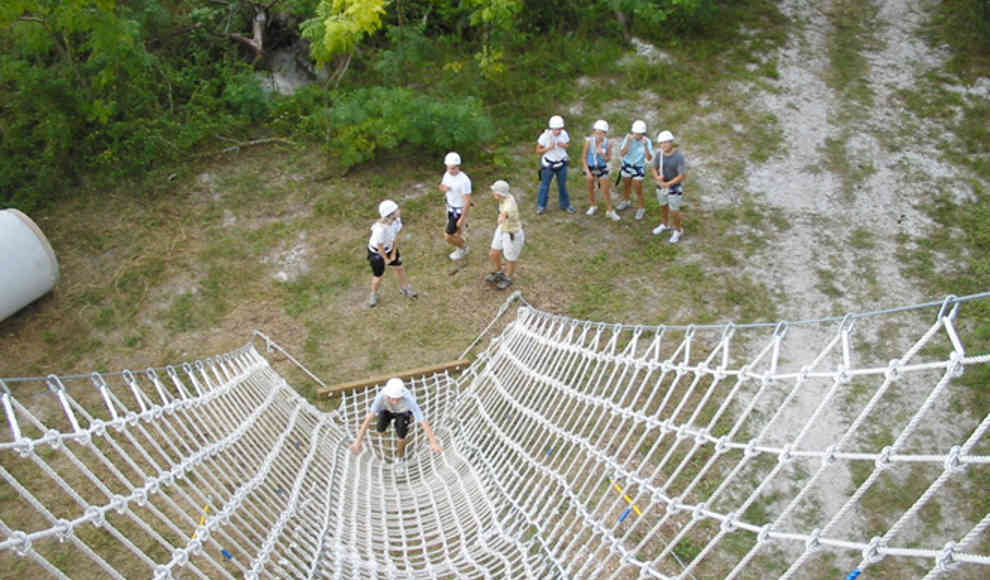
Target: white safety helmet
601	125
452	159
665	136
387	208
639	127
556	122
501	187
395	388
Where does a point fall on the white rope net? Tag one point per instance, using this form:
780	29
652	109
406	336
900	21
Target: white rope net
571	450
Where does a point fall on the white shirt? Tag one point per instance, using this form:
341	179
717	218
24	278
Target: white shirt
460	185
406	403
384	234
557	153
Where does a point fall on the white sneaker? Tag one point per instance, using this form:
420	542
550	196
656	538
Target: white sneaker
456	254
372	300
659	229
676	237
622	205
612	216
591	210
640	213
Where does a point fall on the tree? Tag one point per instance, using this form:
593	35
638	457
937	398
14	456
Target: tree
338	27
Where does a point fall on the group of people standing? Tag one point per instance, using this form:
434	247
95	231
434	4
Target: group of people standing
666	165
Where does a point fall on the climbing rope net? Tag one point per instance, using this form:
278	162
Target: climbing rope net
571	450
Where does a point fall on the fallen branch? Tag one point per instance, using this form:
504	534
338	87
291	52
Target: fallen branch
237	146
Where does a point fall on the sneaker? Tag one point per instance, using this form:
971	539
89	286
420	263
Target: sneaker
372	300
622	205
540	210
591	210
456	254
503	283
409	292
612	216
676	237
640	213
659	229
494	277
570	209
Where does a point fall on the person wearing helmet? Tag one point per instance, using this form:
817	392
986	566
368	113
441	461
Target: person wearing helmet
395	403
508	239
552	147
596	155
383	249
456	188
636	151
669	170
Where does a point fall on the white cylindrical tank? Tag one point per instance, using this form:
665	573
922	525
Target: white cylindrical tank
28	268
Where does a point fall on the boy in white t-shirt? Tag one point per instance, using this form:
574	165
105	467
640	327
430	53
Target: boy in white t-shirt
383	249
395	403
456	188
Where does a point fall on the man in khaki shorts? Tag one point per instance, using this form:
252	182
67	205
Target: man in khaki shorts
509	237
669	170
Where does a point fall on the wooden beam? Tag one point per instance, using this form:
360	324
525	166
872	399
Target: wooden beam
342	388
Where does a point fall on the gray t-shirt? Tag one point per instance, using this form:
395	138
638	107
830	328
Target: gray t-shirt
670	166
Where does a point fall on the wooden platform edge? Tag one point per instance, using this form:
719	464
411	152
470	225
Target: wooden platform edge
404	375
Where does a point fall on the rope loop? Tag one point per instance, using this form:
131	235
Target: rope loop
814	543
950	299
55	384
847	324
781	329
98	381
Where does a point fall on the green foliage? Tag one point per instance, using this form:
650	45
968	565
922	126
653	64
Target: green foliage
369	120
86	99
340	24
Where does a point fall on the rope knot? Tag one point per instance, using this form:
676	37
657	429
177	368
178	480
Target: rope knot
786	455
814	541
883	460
952	462
764	535
872	552
729	523
945	561
23	545
893	371
829	457
63	530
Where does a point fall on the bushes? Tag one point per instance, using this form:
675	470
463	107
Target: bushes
368	120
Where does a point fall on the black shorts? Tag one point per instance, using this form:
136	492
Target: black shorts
452	216
377	262
402	421
601	171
